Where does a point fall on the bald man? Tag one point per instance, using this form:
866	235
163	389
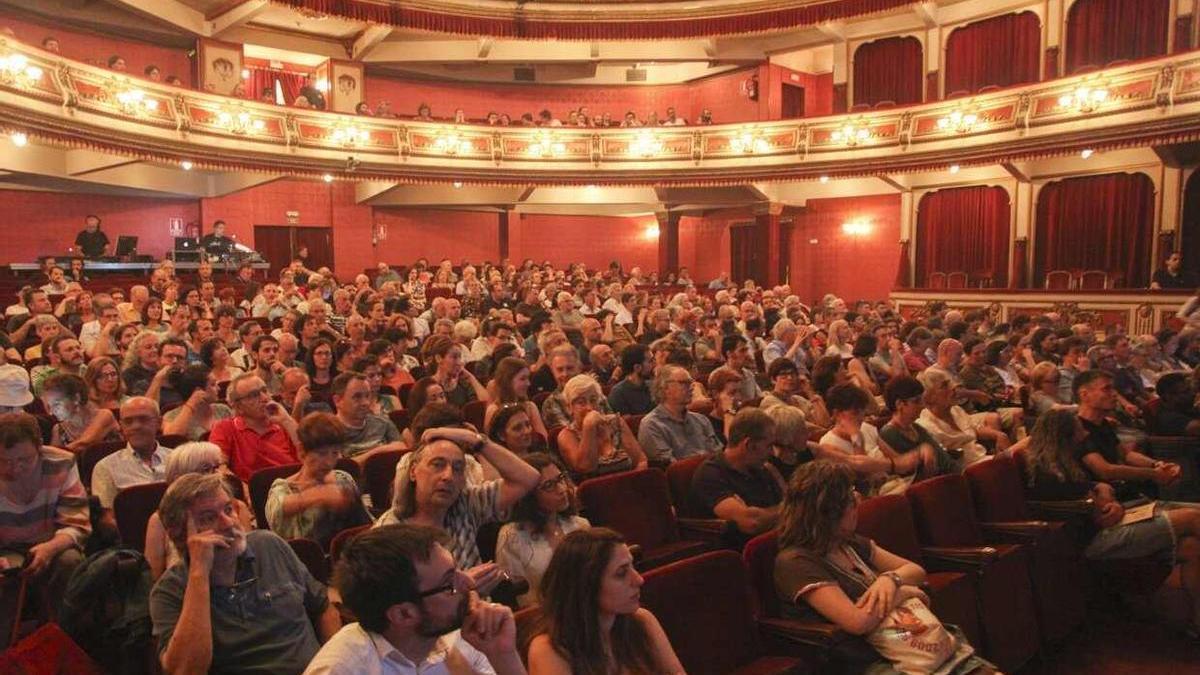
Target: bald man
142	460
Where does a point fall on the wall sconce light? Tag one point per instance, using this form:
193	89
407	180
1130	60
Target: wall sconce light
646	144
349	134
451	143
135	101
856	228
546	144
749	141
851	135
1084	99
651	232
15	69
958	121
19	138
239	122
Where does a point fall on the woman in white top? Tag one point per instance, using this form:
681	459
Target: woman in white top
841	340
950	425
852	441
539	521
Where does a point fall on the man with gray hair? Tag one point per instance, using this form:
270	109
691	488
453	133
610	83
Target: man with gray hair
671	431
142	460
788	343
238	601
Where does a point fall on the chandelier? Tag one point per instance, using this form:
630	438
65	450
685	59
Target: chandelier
15	69
646	144
546	145
749	142
239	122
1084	99
349	134
958	121
451	143
135	101
851	135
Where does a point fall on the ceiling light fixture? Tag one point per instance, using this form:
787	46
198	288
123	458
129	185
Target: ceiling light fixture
186	164
954	168
328	178
1088	152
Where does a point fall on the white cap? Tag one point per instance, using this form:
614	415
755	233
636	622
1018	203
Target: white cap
14	387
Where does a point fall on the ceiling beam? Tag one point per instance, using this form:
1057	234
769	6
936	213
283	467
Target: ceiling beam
365	191
368	41
173	12
834	30
82	162
220	184
927	12
236	16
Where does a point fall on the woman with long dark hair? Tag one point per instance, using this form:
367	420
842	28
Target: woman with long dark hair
321	369
592	622
510	386
539	523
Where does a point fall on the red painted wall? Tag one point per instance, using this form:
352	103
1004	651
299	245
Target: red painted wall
592	240
721	93
435	234
95	49
44	223
852	267
704	242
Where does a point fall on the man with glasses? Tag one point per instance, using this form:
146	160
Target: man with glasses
239	601
262	434
142	460
671	431
416	611
172	356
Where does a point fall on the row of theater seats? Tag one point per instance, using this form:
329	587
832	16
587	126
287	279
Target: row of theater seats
1056	280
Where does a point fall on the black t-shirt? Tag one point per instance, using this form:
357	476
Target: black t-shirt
1172	422
1184	279
91	243
216	244
541	381
715	480
1102	440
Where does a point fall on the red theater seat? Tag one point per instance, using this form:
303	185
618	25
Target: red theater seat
132	508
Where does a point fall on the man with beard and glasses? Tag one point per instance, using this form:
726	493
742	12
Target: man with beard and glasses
237	601
416	611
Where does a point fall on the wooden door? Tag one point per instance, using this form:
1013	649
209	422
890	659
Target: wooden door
793	101
319	241
274	244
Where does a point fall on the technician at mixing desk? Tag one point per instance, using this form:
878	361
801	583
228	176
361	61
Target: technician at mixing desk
217	243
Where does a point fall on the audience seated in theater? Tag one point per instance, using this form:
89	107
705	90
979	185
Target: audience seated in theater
103	380
142	460
1104	454
201	408
739	485
1061	461
434	491
424	392
416	611
81	423
382	402
906	397
318	501
366	432
852	441
824	570
790	447
1172	276
65	358
44	522
591	620
512	428
197	627
510	387
260	435
594	442
563	364
190	458
631	396
954	429
671	431
459	385
540	521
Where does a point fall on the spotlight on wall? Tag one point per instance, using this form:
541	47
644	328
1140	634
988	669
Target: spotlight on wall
1088	152
954	168
651	232
245	73
824	179
457	184
19	138
328	178
186	165
856	228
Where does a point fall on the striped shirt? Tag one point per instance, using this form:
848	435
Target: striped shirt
60	505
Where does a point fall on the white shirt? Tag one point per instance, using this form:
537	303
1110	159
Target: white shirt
524	556
89	333
353	650
124	468
623	316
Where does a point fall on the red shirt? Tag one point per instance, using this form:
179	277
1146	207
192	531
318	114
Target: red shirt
248	451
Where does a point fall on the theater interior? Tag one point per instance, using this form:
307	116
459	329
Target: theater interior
1011	165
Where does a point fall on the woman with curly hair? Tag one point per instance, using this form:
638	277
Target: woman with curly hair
592	622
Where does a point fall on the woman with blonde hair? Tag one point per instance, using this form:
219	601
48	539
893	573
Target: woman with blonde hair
1043	388
104	384
841	340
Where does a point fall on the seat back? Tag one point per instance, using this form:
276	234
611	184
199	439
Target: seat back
634	422
759	556
888	520
473	412
634	503
679	476
91	456
996	490
399	418
310	553
172	440
704	605
351	467
260	486
943	512
133	507
1094	280
342	538
936	280
378	473
956	280
1058	280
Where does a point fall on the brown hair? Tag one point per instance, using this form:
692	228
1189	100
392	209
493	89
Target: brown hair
506	370
19	427
813	506
321	430
571	608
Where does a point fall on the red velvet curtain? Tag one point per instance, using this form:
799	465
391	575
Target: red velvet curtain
1096	223
971	53
964	230
260	79
1189	240
291	83
1102	31
892	69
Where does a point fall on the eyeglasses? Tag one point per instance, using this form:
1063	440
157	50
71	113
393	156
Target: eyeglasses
552	484
251	394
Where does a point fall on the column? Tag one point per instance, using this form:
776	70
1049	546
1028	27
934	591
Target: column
668	242
502	234
841	77
1022	216
933	65
1052	37
766	241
